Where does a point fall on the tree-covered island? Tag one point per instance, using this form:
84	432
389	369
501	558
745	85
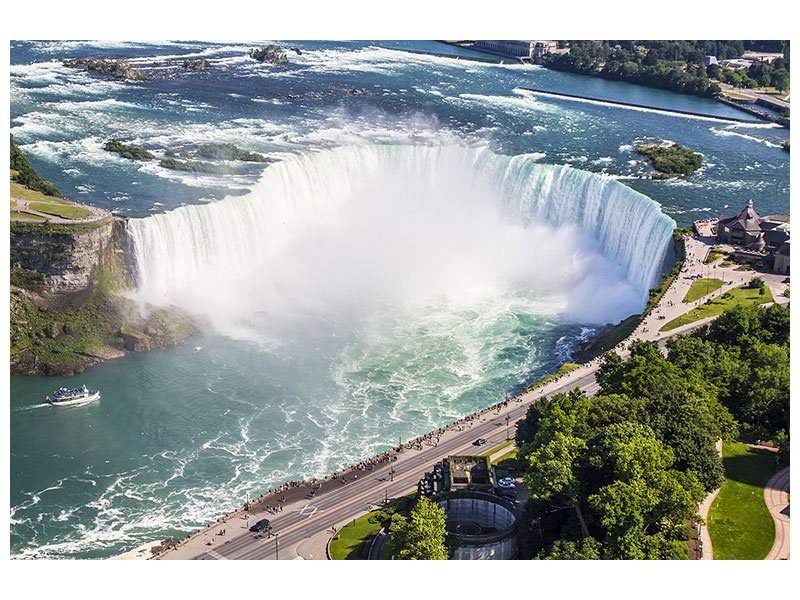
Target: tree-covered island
671	160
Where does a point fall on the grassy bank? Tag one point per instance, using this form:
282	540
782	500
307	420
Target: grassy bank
739	523
352	541
67	212
702	287
712	308
563	369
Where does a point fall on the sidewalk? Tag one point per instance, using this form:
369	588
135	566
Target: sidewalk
707	550
776	497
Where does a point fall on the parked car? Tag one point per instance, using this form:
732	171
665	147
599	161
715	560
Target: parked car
479	442
260	526
506	482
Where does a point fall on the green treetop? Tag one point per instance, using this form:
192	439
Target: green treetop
422	536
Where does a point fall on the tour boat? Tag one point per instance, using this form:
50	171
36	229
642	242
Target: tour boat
65	397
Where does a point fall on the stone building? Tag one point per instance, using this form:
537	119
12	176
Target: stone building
753	234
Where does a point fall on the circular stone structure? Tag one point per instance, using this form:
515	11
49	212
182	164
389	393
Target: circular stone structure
485	524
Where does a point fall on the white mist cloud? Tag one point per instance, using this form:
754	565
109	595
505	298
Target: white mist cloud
363	235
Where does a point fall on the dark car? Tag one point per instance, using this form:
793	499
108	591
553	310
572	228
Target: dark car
260	526
510	497
479	442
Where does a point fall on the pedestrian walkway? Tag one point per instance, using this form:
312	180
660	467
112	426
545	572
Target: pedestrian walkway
706	549
776	497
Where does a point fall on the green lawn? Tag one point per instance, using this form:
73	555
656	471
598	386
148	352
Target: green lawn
739	523
68	212
353	539
508	459
500	447
19	191
702	287
737	96
563	369
716	306
22	215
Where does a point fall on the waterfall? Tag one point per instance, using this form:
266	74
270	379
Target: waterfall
176	248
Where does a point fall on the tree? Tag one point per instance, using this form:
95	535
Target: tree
678	406
780	79
762	398
642	509
781	440
585	549
26	175
421	537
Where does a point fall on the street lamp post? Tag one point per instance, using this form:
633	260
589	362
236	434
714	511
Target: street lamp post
276	545
507	418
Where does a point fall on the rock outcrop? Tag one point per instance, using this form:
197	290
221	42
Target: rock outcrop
68	308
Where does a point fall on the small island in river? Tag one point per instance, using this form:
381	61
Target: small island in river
671	160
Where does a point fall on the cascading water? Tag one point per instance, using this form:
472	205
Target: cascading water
480	215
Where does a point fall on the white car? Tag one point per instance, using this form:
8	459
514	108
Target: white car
506	482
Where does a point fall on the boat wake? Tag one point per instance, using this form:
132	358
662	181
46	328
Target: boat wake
31	407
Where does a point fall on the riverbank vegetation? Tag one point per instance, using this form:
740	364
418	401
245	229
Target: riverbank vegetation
671	161
562	370
23	173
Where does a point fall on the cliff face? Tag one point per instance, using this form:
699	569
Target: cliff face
67	310
71	258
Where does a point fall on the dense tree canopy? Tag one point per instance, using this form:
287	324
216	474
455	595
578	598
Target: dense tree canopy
744	354
617	475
